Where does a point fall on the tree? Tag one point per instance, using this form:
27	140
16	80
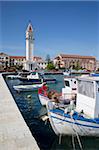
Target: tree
48	58
77	66
19	67
50	66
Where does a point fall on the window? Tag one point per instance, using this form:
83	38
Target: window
98	86
67	83
86	88
31	66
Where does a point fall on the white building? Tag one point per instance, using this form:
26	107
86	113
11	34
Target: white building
42	64
17	60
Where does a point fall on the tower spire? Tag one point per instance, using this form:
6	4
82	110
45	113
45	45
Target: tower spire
29	28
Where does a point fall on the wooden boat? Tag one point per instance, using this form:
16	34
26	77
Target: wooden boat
27	87
70	86
81	115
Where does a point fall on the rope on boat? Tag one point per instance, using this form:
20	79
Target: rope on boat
60	137
82	130
73	142
79	141
78	138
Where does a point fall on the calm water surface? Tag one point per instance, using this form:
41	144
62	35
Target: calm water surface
32	111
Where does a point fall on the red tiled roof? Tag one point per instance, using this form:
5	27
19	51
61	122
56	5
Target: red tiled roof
76	56
17	57
37	58
22	57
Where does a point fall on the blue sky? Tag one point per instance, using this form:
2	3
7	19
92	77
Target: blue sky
59	27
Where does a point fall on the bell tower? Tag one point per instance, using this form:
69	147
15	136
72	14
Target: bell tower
29	43
29	64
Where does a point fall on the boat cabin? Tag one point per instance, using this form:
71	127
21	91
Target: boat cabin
70	84
88	96
33	75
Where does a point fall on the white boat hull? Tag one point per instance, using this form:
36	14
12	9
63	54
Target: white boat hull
63	125
66	73
27	87
43	99
12	76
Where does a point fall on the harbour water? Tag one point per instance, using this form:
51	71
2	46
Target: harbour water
31	109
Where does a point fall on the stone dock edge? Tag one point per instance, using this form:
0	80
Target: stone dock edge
14	132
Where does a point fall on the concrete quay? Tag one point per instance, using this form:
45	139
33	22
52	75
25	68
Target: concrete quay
14	133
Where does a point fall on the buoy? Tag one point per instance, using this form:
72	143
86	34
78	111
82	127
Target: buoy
44	118
29	96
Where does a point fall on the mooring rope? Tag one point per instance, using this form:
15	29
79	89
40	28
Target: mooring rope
78	138
73	142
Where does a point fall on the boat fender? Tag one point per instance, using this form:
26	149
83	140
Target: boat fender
44	118
72	102
66	110
72	112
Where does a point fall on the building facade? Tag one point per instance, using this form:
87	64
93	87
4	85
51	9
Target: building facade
8	61
42	64
97	65
20	60
4	60
71	61
17	60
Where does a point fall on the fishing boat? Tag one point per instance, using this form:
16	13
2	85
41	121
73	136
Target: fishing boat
32	77
32	87
66	73
18	75
36	77
49	80
81	115
70	86
13	76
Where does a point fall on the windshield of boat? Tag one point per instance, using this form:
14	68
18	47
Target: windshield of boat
67	83
86	88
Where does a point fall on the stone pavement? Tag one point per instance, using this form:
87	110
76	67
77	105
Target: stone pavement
14	133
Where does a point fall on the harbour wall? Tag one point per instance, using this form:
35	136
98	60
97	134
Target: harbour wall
14	133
